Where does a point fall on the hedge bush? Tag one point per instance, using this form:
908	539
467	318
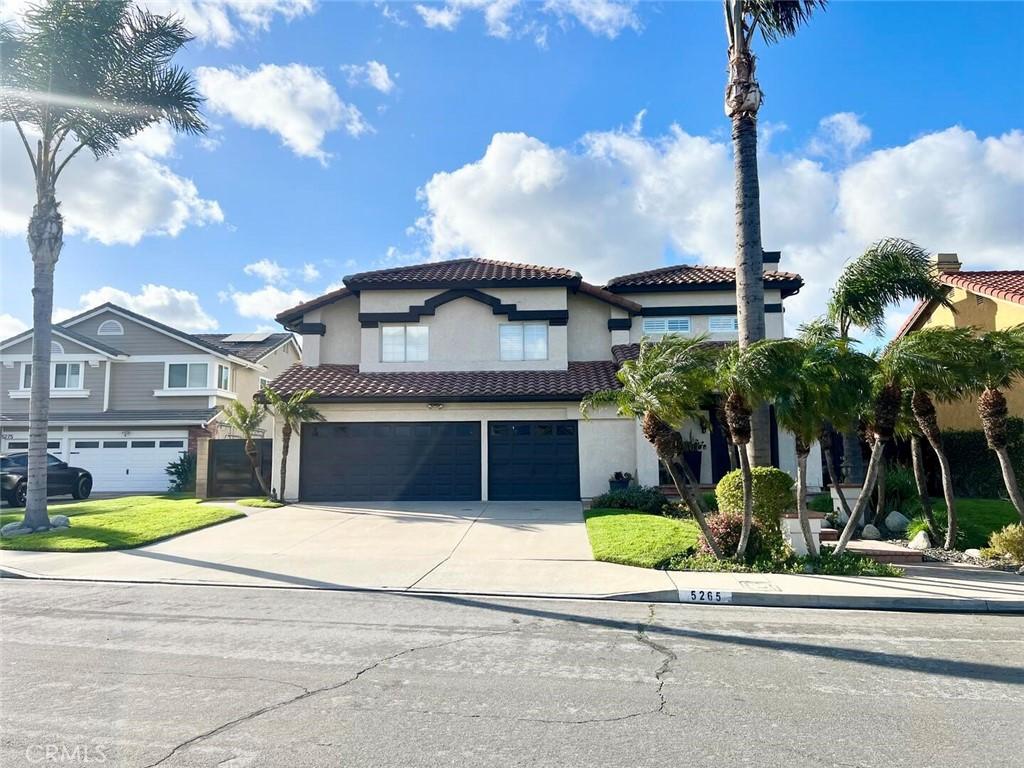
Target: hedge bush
1008	541
727	527
773	495
643	499
975	467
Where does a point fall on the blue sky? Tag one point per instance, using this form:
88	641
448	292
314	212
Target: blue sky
588	135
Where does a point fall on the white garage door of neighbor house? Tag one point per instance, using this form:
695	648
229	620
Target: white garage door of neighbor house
126	464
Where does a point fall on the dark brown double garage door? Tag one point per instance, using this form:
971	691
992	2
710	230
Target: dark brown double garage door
438	461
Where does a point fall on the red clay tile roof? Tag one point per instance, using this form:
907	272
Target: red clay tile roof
624	352
461	272
608	296
343	383
299	310
1007	284
696	277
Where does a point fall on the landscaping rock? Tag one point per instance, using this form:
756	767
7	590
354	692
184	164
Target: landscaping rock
897	522
921	541
871	533
841	515
1021	571
11	530
975	553
60	521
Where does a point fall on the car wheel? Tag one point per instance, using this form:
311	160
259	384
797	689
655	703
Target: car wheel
82	488
17	496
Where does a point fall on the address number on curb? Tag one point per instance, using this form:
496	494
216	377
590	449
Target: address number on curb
704	596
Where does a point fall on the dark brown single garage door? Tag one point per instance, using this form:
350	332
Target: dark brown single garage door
390	461
533	460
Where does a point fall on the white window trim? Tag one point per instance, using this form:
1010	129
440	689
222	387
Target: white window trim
25	392
208	388
216	382
119	329
405	342
733	319
524	358
666	320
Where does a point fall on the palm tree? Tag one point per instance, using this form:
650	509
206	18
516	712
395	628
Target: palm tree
80	75
248	422
999	361
293	411
665	386
889	271
743	97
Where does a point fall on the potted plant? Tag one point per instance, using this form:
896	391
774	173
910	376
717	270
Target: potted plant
693	453
619	481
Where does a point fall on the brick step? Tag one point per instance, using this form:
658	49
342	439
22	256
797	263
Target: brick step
881	552
828	534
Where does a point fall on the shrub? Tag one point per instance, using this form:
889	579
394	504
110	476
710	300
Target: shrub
974	467
727	527
711	501
900	490
182	472
649	500
1008	542
773	495
822	504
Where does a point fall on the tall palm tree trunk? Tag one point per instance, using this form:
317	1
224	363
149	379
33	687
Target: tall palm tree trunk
254	460
993	411
883	471
877	449
45	239
833	475
802	451
286	439
917	461
927	421
738	419
690	496
748	504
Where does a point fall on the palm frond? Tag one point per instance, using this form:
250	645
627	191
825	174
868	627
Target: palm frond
781	18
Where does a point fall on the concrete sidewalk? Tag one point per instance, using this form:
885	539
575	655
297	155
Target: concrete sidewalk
528	549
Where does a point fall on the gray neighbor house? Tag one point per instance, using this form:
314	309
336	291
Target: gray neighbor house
129	394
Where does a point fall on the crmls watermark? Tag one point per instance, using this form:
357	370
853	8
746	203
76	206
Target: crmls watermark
37	754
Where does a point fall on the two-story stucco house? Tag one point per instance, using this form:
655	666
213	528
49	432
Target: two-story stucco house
128	394
462	379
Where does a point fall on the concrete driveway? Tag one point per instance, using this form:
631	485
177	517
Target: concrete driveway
490	547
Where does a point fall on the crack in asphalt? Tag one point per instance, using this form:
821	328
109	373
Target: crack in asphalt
666	665
302	688
315	691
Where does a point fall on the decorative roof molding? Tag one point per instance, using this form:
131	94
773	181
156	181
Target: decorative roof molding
431	305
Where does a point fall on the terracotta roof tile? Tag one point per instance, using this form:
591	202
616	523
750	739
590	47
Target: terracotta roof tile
1007	284
346	383
682	276
461	271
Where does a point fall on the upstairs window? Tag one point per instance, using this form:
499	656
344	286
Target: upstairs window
223	377
723	324
523	341
404	343
110	328
62	376
56	348
659	326
187	375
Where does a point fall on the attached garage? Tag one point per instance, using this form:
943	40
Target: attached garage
126	464
533	460
390	461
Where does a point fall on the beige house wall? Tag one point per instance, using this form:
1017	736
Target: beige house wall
774	321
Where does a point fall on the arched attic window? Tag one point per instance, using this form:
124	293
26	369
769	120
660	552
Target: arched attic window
56	348
110	328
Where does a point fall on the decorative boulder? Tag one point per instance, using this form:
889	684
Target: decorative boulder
60	521
841	515
976	553
870	532
14	529
920	541
896	522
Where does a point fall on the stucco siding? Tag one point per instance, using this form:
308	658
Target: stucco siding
588	334
340	343
774	321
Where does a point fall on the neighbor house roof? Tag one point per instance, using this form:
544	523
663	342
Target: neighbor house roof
252	351
345	383
683	277
1007	285
462	273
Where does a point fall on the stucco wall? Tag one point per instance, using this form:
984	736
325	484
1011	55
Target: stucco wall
774	321
588	334
341	342
971	310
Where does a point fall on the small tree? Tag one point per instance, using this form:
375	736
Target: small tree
293	411
80	75
662	388
998	358
248	422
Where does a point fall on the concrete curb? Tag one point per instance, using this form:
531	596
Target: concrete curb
743	599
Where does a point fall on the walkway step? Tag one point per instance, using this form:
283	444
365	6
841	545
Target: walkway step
828	534
881	552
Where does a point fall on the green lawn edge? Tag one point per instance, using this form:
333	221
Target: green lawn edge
259	503
628	537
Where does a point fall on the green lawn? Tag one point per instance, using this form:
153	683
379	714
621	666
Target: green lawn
631	538
978	518
122	523
256	501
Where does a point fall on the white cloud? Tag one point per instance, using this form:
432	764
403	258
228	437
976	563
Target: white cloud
294	101
506	18
119	198
11	326
310	272
372	73
840	135
618	202
445	17
270	271
266	302
226	22
607	18
392	15
175	307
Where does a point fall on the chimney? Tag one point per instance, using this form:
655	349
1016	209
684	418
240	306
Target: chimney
771	260
947	262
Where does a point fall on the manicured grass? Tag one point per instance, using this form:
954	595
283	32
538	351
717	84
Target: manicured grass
978	518
631	538
122	523
259	502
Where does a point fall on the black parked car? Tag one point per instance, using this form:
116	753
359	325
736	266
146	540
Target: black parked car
61	478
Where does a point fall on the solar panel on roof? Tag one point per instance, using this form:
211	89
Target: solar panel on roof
247	338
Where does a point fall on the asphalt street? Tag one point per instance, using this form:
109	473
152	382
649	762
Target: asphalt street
148	675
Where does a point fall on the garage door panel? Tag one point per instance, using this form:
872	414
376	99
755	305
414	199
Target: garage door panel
125	465
390	461
533	461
